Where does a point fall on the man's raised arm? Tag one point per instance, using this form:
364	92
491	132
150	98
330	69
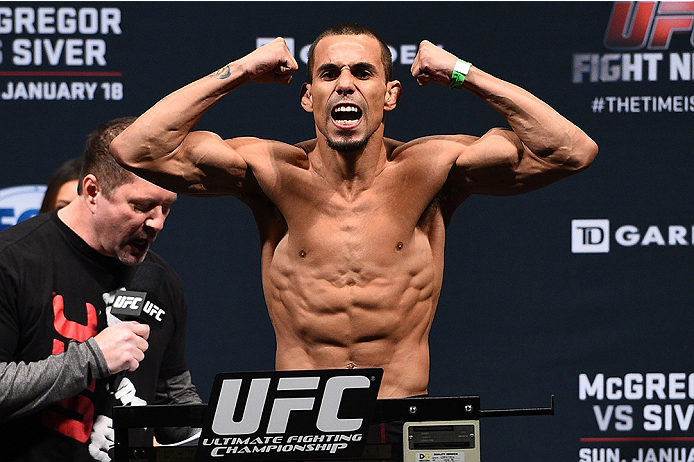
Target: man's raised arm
160	145
542	147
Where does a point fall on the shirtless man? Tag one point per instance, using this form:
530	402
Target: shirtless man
352	224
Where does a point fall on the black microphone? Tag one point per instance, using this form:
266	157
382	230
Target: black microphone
139	303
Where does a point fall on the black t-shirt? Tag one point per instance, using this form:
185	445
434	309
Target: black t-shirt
53	288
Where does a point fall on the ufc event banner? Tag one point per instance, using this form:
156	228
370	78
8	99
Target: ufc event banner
292	415
583	289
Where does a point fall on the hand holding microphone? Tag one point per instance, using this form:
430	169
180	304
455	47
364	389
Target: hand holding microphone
123	345
130	315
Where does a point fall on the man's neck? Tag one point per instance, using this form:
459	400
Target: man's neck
75	215
350	172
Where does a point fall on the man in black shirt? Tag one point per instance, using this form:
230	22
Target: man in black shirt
58	273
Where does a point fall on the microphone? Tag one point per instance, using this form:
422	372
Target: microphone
139	302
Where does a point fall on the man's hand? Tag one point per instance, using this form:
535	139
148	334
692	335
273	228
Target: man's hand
123	345
101	439
270	63
432	64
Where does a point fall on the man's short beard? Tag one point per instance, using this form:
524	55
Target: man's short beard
129	259
347	145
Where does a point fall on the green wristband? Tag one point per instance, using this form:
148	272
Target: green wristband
459	73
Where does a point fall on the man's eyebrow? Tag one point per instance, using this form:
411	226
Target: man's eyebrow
367	66
359	65
327	66
147	200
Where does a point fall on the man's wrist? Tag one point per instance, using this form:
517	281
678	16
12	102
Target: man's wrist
460	71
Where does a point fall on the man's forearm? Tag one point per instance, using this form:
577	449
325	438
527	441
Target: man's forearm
539	127
176	390
26	388
163	128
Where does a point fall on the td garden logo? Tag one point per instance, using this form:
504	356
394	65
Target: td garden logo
590	236
594	236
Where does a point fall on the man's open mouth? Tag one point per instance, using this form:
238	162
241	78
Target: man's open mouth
346	114
140	244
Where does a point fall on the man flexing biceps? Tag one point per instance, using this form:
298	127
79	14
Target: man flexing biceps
352	224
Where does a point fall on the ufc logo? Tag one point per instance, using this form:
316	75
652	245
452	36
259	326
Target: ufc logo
282	407
127	301
651	25
153	310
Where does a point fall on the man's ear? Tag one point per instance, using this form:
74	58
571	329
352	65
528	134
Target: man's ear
306	98
393	94
90	188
